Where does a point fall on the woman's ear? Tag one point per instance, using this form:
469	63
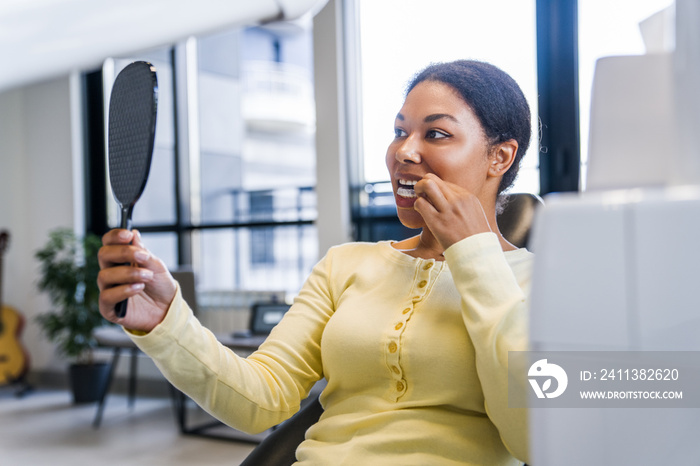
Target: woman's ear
502	157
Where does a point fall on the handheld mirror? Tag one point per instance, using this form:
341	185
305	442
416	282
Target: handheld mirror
132	126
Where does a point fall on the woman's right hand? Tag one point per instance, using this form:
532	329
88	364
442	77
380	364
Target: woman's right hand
147	284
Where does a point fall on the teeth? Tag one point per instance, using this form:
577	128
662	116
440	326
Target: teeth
405	188
405	192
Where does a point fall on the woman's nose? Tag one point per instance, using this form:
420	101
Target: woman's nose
408	152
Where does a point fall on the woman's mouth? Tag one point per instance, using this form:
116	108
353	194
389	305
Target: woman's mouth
406	188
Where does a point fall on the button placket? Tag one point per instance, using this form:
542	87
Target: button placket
421	282
394	345
423	278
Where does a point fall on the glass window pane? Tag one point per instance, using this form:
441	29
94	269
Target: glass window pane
257	158
163	246
257	120
400	37
265	258
606	29
157	203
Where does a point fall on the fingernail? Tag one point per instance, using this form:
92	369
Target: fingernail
124	234
146	274
141	256
137	286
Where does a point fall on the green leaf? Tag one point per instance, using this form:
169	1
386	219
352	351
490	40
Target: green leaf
68	274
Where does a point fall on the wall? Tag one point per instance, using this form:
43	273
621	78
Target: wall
41	188
36	189
331	137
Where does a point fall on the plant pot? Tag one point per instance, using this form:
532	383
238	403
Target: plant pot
88	381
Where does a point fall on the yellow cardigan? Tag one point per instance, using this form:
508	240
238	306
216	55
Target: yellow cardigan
414	351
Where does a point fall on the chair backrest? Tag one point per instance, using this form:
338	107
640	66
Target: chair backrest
279	448
515	222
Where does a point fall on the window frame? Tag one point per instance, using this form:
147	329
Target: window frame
186	225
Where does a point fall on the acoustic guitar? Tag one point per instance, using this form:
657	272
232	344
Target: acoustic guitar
13	358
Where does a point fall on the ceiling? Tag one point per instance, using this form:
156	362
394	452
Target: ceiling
40	39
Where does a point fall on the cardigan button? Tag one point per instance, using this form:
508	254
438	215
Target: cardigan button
422	284
398	326
393	347
400	386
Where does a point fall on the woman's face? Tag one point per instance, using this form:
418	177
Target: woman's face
436	132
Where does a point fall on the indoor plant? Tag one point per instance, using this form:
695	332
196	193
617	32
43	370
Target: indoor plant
68	274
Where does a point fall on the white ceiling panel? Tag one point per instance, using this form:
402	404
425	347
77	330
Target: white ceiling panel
40	39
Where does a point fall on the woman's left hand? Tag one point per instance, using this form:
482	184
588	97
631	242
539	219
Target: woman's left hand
450	212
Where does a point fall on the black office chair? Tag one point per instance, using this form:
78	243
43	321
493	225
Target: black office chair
515	222
279	448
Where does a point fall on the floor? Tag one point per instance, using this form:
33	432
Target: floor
45	428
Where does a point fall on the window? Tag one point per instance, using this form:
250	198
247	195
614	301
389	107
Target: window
231	187
256	158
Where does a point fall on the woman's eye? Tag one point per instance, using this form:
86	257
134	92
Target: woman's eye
399	133
435	134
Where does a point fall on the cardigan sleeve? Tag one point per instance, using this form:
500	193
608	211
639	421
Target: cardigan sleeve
494	308
254	393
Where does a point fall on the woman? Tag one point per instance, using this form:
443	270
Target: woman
412	336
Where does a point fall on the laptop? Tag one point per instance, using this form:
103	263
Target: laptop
263	317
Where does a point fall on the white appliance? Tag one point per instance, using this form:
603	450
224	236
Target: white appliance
617	267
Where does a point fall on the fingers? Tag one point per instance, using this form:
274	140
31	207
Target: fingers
109	297
433	190
130	271
119	283
121	246
123	274
425	209
118	236
450	212
114	255
437	197
138	242
116	258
